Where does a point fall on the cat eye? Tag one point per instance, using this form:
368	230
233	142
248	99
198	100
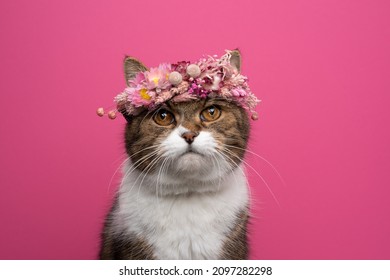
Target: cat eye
164	117
210	114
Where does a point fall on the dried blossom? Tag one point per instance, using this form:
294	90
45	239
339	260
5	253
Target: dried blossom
217	79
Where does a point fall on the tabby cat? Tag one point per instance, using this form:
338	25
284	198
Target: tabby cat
184	192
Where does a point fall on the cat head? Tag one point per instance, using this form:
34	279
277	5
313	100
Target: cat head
194	142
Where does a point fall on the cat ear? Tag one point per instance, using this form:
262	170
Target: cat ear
132	66
235	59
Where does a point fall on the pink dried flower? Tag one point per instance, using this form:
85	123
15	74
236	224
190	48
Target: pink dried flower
183	87
140	97
121	98
225	92
181	67
184	97
138	79
238	92
158	77
217	79
163	97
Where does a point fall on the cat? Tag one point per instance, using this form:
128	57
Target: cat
184	193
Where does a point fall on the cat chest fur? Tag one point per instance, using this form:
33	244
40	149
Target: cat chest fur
183	226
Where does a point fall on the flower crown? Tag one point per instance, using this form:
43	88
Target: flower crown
209	77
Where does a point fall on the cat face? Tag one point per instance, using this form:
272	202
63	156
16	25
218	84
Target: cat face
200	140
194	143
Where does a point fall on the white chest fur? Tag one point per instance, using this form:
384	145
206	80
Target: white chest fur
184	226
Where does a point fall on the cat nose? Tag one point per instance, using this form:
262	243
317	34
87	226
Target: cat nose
189	136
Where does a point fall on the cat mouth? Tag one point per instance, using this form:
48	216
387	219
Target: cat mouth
191	151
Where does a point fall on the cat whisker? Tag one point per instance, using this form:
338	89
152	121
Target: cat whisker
146	172
234	164
250	196
137	164
148	169
116	171
140	161
230	168
120	158
160	172
148	166
261	177
253	153
140	174
147	148
262	158
158	180
219	169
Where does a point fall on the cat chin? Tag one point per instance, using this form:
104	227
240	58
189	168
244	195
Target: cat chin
194	166
190	162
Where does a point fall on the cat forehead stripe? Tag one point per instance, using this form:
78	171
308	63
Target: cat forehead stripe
209	77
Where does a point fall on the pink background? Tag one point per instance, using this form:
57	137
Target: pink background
320	67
